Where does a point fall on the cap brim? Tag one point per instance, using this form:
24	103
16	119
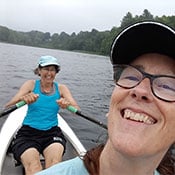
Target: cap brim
141	38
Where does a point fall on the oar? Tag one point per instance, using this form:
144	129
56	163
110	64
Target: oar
76	111
70	108
12	108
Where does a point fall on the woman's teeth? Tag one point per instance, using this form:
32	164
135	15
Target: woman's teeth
128	114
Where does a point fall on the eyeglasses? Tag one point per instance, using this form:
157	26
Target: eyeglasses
49	69
162	86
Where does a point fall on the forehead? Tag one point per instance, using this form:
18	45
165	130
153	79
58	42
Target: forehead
156	63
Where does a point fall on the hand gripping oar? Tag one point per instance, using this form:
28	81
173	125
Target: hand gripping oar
76	111
70	108
12	108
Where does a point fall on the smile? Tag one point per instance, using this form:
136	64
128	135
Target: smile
139	117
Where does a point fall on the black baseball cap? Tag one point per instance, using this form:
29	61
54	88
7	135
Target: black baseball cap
141	38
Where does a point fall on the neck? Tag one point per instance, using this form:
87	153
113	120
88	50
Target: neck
116	163
47	88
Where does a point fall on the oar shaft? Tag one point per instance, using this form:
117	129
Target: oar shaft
70	108
12	108
76	111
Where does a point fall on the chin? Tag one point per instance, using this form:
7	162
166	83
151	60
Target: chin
127	146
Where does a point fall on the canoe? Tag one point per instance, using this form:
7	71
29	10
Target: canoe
10	127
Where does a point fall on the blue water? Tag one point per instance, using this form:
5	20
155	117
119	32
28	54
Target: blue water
89	77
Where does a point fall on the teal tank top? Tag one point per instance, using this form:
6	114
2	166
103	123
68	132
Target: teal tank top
42	114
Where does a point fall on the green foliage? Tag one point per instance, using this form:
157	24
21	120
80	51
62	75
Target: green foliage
4	34
92	42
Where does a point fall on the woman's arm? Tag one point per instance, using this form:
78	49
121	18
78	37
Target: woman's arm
24	93
66	98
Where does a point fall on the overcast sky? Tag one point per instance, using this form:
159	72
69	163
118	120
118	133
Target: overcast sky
70	16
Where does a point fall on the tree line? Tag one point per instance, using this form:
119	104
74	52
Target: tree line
91	42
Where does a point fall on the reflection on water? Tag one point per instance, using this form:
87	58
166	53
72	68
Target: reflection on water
89	78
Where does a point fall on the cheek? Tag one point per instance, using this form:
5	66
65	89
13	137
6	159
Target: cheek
170	119
117	99
41	75
168	112
118	95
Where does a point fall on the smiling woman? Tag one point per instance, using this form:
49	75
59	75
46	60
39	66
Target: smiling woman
40	125
141	113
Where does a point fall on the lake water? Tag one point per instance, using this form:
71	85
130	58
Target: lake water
89	77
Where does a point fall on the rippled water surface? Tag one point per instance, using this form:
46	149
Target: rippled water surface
89	77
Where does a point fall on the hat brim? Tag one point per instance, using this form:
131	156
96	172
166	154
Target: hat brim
49	64
142	38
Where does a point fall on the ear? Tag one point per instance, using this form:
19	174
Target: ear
39	71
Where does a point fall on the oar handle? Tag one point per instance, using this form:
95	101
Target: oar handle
12	108
72	109
76	111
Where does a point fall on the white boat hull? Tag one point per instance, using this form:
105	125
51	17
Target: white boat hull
10	127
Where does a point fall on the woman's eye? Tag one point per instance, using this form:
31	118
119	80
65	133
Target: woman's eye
132	78
167	87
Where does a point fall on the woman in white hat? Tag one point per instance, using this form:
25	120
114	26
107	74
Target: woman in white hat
40	133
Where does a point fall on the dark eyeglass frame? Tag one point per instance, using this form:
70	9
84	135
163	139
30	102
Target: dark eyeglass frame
144	75
57	68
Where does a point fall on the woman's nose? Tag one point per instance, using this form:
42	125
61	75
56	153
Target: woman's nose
142	91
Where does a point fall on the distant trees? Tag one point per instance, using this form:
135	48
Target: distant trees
4	34
129	19
91	42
